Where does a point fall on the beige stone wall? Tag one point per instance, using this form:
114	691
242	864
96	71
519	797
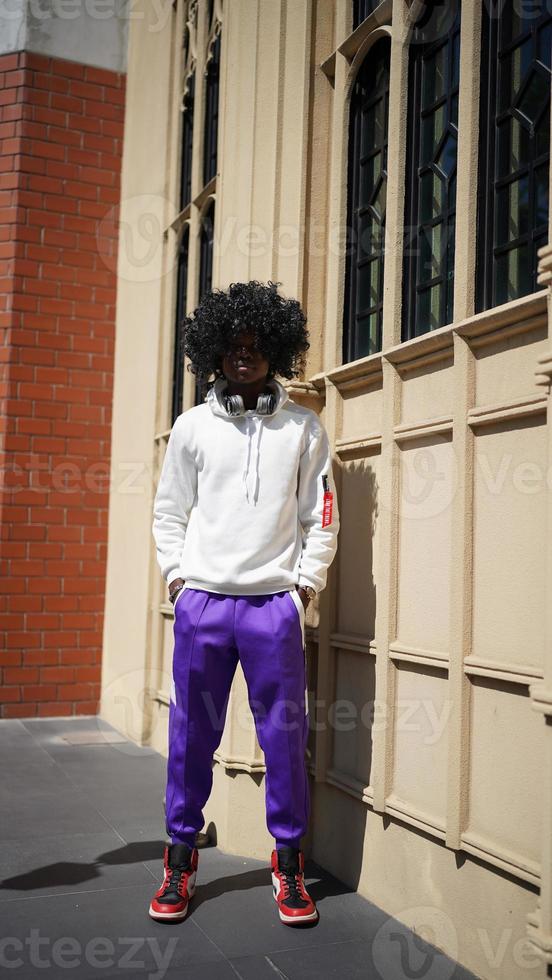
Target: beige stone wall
436	607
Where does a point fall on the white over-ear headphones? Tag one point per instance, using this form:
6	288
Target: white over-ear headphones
235	406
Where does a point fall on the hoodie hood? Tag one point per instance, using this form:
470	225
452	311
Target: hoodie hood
253	420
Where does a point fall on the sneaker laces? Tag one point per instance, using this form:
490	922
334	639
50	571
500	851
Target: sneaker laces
181	856
291	884
290	871
174	883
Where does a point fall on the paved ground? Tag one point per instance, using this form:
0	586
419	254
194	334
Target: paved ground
81	837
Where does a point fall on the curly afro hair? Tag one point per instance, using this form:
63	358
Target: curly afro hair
279	326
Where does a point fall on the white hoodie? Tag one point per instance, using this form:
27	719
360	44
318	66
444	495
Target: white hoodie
239	504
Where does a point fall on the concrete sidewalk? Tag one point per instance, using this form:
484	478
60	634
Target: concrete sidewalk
81	831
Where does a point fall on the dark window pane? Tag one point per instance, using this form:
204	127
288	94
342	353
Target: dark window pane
513	69
187	135
205	267
206	251
366	202
542	136
434	77
541	195
514	149
514	146
512	211
361	9
368	340
428	313
431	171
513	274
211	113
178	361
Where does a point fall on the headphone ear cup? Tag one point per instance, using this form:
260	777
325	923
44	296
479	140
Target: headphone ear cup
234	404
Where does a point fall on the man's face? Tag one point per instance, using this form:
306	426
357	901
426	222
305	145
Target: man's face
243	362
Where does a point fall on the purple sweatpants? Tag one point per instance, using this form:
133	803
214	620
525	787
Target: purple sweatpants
265	633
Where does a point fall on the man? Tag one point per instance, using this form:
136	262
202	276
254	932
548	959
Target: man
245	524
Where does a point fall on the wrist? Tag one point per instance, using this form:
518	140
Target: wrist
175	587
308	590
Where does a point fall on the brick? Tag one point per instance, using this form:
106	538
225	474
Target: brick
52	83
36	391
25	163
13	113
97	176
82	190
110	109
53	710
21	675
10	658
39	287
84	123
61	238
96	211
64	170
9	694
68	103
63	533
86	157
74	656
101	76
36	692
42	148
87	708
83	674
44	219
104	143
9	97
14	79
68	69
59	675
29	199
30	96
73	692
52	185
32	130
65	137
42	657
35	62
19	711
56	307
8	62
59	203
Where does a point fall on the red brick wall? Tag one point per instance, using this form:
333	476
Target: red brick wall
61	131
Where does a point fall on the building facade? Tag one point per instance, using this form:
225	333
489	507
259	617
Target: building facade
388	164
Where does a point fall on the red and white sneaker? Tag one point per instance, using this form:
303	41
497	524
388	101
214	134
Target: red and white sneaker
170	902
295	905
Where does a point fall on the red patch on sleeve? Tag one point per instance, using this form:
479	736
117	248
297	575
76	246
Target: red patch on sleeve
327	508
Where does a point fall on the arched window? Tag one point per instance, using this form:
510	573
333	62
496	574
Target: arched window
361	9
514	150
187	136
367	191
181	285
211	112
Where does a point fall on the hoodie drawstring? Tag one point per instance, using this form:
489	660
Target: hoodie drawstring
250	420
